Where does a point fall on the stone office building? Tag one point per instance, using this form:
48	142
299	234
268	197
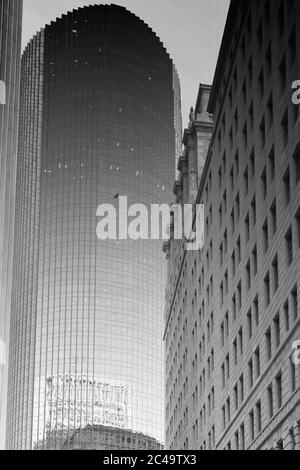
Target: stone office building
232	309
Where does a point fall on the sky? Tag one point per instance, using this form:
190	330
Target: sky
191	30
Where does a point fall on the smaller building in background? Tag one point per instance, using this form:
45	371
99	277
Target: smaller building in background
105	438
102	403
191	165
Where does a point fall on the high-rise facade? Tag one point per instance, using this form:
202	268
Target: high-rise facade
232	316
10	45
99	119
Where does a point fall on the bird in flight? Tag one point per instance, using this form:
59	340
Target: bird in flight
116	196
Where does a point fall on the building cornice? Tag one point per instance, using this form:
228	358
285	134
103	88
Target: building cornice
229	32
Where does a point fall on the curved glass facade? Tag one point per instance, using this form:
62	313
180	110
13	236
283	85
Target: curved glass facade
100	116
10	55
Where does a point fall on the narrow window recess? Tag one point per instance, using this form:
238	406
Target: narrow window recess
2	92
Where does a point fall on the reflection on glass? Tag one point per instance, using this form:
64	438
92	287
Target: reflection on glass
87	329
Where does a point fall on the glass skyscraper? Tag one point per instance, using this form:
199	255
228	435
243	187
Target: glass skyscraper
100	118
10	45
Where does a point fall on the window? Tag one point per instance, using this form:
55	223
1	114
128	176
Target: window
230	97
223	417
237	165
249	324
278	381
267	290
256	310
269	59
231	138
241	386
250	373
244	90
2	92
266	236
257	363
253	207
241	342
270	111
249	26
233	264
254	260
236	440
251	423
242	436
258	417
228	367
292	375
246	181
236	398
285	128
222	335
225	202
235	353
245	135
225	242
251	114
232	222
273	212
295	114
275	274
282	75
234	309
226	283
232	179
296	159
238	249
277	330
261	81
286	315
289	247
260	35
298	226
228	410
213	437
252	164
287	186
227	325
236	120
269	344
223	376
264	183
292	46
224	156
262	129
248	275
280	445
281	18
271	161
247	228
239	297
294	298
270	401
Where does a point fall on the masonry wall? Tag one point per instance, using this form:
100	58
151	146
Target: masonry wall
233	308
